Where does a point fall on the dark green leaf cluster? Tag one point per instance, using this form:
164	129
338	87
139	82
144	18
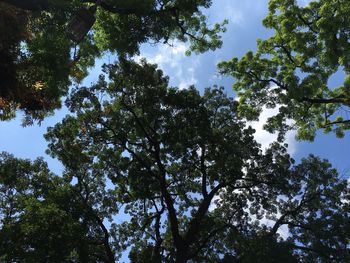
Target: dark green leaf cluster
44	218
40	61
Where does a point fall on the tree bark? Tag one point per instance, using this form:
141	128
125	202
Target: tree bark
30	5
182	249
195	223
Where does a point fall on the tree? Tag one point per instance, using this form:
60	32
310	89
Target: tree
44	218
292	69
191	180
41	62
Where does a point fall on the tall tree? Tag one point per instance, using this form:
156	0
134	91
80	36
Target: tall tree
192	181
292	70
41	62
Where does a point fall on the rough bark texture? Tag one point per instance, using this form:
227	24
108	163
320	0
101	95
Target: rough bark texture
32	5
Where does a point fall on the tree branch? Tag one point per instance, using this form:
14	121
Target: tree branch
253	74
194	225
105	241
308	24
340	99
156	257
116	10
204	172
30	5
330	123
281	220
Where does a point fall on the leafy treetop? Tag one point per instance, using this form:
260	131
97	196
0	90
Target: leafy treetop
41	62
292	70
44	218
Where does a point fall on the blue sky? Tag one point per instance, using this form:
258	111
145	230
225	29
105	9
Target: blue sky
244	28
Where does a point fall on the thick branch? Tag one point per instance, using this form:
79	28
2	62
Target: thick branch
110	254
30	5
211	235
288	53
204	173
308	24
117	10
281	221
194	226
330	123
156	257
38	5
169	202
339	99
254	75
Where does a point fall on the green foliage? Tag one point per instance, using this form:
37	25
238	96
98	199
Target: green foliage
44	218
40	62
181	167
190	178
292	68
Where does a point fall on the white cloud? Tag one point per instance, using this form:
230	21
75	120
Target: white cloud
173	61
264	137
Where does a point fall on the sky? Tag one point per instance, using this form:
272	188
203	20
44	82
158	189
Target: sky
243	30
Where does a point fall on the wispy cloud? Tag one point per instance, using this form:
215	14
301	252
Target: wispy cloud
265	138
233	14
173	61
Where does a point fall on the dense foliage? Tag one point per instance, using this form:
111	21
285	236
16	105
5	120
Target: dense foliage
43	218
292	70
192	181
161	174
41	62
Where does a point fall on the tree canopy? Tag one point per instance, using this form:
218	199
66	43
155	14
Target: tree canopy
44	218
41	62
191	192
162	174
293	69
